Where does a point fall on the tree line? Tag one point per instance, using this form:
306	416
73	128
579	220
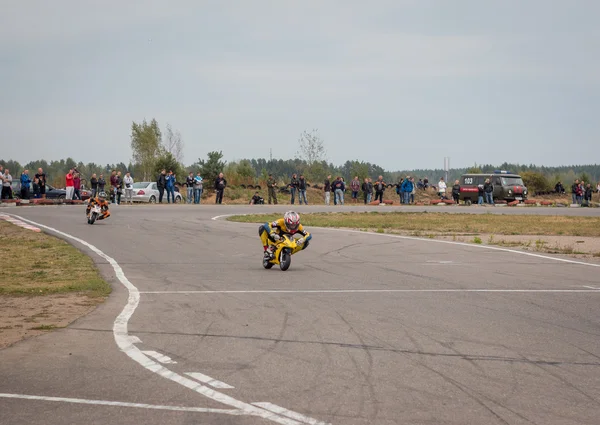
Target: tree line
154	149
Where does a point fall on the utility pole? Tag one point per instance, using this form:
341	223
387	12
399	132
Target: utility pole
446	167
271	154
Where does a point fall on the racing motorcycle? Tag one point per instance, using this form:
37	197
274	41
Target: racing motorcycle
94	213
284	249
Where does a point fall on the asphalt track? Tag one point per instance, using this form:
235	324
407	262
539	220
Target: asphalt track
363	329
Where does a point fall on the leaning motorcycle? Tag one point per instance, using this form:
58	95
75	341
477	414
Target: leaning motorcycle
94	213
284	249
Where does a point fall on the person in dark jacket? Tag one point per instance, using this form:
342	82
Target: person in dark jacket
338	189
161	184
406	189
588	195
379	186
220	184
480	193
327	189
559	188
302	190
101	184
94	185
365	189
25	184
189	184
488	188
574	189
293	187
456	191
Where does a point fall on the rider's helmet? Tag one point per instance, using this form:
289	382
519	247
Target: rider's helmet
292	221
101	196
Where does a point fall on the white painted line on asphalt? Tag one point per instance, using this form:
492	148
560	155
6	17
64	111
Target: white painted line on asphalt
413	238
369	291
591	287
122	338
293	415
208	380
123	404
159	357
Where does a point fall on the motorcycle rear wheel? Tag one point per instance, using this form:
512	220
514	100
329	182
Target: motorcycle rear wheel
267	264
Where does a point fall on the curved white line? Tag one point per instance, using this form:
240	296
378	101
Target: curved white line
126	342
413	238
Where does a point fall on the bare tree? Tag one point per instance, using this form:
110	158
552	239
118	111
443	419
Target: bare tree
173	143
311	147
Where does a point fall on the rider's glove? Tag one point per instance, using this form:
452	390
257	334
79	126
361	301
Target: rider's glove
300	241
275	236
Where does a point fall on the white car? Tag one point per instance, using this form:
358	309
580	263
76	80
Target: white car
148	192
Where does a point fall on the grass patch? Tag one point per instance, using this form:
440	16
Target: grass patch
38	264
45	328
477	240
424	223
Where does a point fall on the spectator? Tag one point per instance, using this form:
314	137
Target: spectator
365	190
170	179
480	193
101	183
69	185
339	187
197	188
379	189
399	191
355	187
161	184
94	185
456	191
77	186
574	189
113	186
41	176
370	197
1	180
327	189
220	184
407	188
189	184
293	187
559	188
128	181
6	185
25	184
598	189
256	199
36	188
302	190
271	189
414	191
579	193
420	184
488	188
425	183
119	187
588	195
442	188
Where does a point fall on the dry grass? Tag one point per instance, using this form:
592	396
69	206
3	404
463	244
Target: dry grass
446	223
38	264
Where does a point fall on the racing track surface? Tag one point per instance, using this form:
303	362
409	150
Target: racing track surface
363	329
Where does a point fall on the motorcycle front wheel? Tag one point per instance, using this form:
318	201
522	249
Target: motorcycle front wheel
285	260
267	264
92	218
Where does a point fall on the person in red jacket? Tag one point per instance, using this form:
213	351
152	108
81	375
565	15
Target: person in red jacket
70	185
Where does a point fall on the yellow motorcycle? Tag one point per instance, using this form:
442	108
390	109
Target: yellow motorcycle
284	249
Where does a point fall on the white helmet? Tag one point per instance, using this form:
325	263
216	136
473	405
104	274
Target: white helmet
292	221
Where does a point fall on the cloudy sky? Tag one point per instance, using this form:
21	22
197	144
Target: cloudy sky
401	83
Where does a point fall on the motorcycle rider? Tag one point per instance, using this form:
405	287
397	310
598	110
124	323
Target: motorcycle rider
100	200
270	233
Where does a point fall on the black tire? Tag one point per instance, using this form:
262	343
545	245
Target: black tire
257	187
468	202
92	218
152	199
62	197
286	260
250	186
177	200
267	264
243	186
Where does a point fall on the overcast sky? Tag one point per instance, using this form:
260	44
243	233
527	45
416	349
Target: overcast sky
400	83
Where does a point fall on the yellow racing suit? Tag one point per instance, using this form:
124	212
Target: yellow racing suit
279	227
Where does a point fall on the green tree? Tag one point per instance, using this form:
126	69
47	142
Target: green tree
146	145
167	161
311	149
475	169
584	177
245	171
535	181
214	165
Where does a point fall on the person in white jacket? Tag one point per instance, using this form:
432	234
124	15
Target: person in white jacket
442	188
128	182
